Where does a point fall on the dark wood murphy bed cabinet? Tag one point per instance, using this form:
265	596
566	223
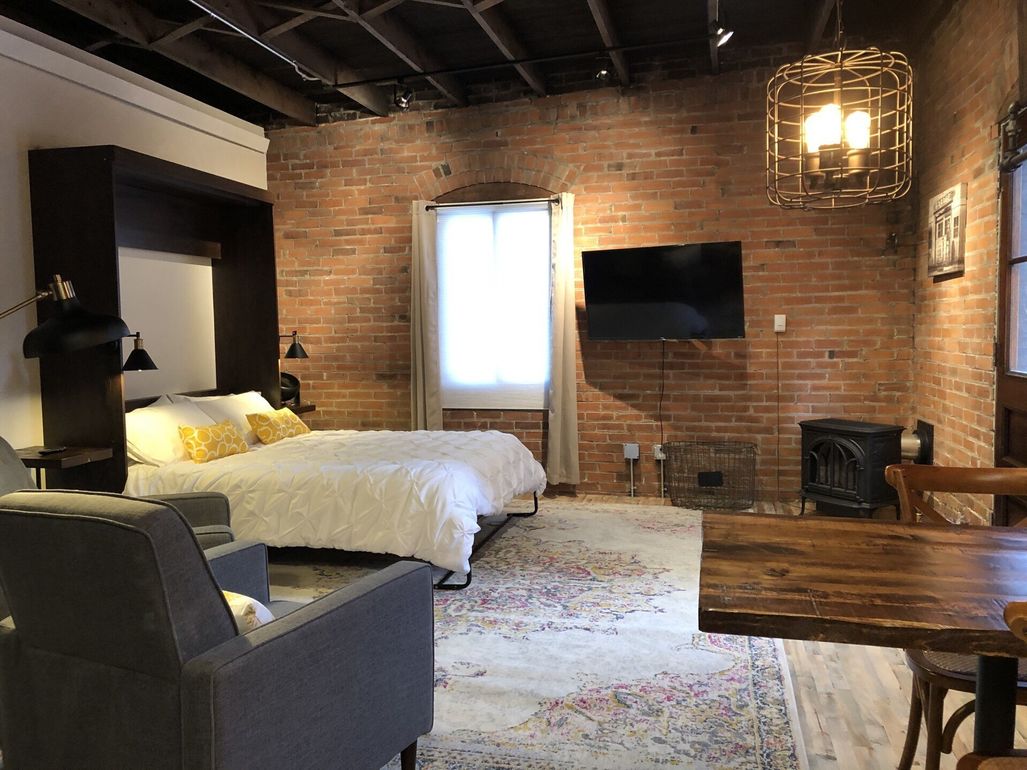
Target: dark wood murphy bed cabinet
89	201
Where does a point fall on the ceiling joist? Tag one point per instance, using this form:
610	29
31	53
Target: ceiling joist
301	17
395	36
496	27
712	8
818	24
140	26
601	14
372	9
253	19
182	30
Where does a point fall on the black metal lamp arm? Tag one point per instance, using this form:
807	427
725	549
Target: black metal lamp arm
37	297
58	289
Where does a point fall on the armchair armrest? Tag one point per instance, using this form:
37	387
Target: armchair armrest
200	509
213	535
346	681
241	567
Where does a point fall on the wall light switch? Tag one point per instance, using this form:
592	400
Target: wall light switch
780	323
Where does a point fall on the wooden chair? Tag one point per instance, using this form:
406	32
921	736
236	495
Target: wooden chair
1017	761
1016	617
934	673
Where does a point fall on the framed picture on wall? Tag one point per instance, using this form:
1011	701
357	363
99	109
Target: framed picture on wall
946	232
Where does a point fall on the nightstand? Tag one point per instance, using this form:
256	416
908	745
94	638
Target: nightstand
302	408
69	457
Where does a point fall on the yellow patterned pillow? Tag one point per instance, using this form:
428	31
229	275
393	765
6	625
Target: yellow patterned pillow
274	426
209	442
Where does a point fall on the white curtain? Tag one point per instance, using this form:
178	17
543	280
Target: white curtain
425	385
562	453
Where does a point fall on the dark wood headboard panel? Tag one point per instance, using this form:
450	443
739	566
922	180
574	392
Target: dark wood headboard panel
88	201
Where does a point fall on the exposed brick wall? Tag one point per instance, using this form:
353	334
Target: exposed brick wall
666	162
960	98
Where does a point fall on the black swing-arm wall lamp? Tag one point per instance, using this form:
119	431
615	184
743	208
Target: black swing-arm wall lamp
73	327
295	349
290	384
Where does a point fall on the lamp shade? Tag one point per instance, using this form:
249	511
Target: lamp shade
295	349
139	360
72	328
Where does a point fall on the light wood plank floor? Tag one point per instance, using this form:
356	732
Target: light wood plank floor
853	701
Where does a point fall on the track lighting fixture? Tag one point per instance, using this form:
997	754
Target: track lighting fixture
720	32
402	99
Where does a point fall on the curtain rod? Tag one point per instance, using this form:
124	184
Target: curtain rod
433	206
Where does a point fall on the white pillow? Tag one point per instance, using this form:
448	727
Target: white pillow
248	612
178	398
235	408
151	433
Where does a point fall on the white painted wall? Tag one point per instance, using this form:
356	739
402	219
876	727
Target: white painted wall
57	96
169	299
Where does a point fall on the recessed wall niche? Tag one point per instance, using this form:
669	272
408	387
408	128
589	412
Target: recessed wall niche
90	202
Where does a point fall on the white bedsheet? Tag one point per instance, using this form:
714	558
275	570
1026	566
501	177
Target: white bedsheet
409	493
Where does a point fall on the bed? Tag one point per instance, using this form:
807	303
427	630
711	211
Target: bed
408	493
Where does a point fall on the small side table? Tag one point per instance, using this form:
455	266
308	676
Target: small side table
302	408
67	458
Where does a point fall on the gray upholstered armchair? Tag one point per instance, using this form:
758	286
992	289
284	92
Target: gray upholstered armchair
121	651
207	512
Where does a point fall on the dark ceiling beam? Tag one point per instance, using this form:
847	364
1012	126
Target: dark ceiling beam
484	5
252	19
711	18
370	10
818	24
303	15
496	27
182	30
99	45
140	26
395	36
601	14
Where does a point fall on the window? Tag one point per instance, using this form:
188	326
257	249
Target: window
494	305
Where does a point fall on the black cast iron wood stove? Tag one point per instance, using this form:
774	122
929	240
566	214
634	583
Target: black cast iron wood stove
843	464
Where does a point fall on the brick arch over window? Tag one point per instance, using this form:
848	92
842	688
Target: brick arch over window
490	168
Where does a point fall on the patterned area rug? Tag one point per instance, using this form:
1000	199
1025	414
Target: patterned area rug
576	647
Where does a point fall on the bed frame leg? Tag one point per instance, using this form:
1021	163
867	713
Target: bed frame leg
442	585
528	513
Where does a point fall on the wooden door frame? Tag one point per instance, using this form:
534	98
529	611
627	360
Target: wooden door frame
1009	388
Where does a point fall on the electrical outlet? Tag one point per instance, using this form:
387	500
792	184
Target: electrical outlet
658	452
631	451
780	323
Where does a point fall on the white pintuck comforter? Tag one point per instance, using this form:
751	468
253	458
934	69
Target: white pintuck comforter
409	493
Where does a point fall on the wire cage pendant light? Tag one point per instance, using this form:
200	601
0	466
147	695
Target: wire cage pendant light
840	129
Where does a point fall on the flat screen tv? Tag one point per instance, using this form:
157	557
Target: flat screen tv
690	291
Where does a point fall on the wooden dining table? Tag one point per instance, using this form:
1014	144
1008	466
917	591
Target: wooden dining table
879	583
